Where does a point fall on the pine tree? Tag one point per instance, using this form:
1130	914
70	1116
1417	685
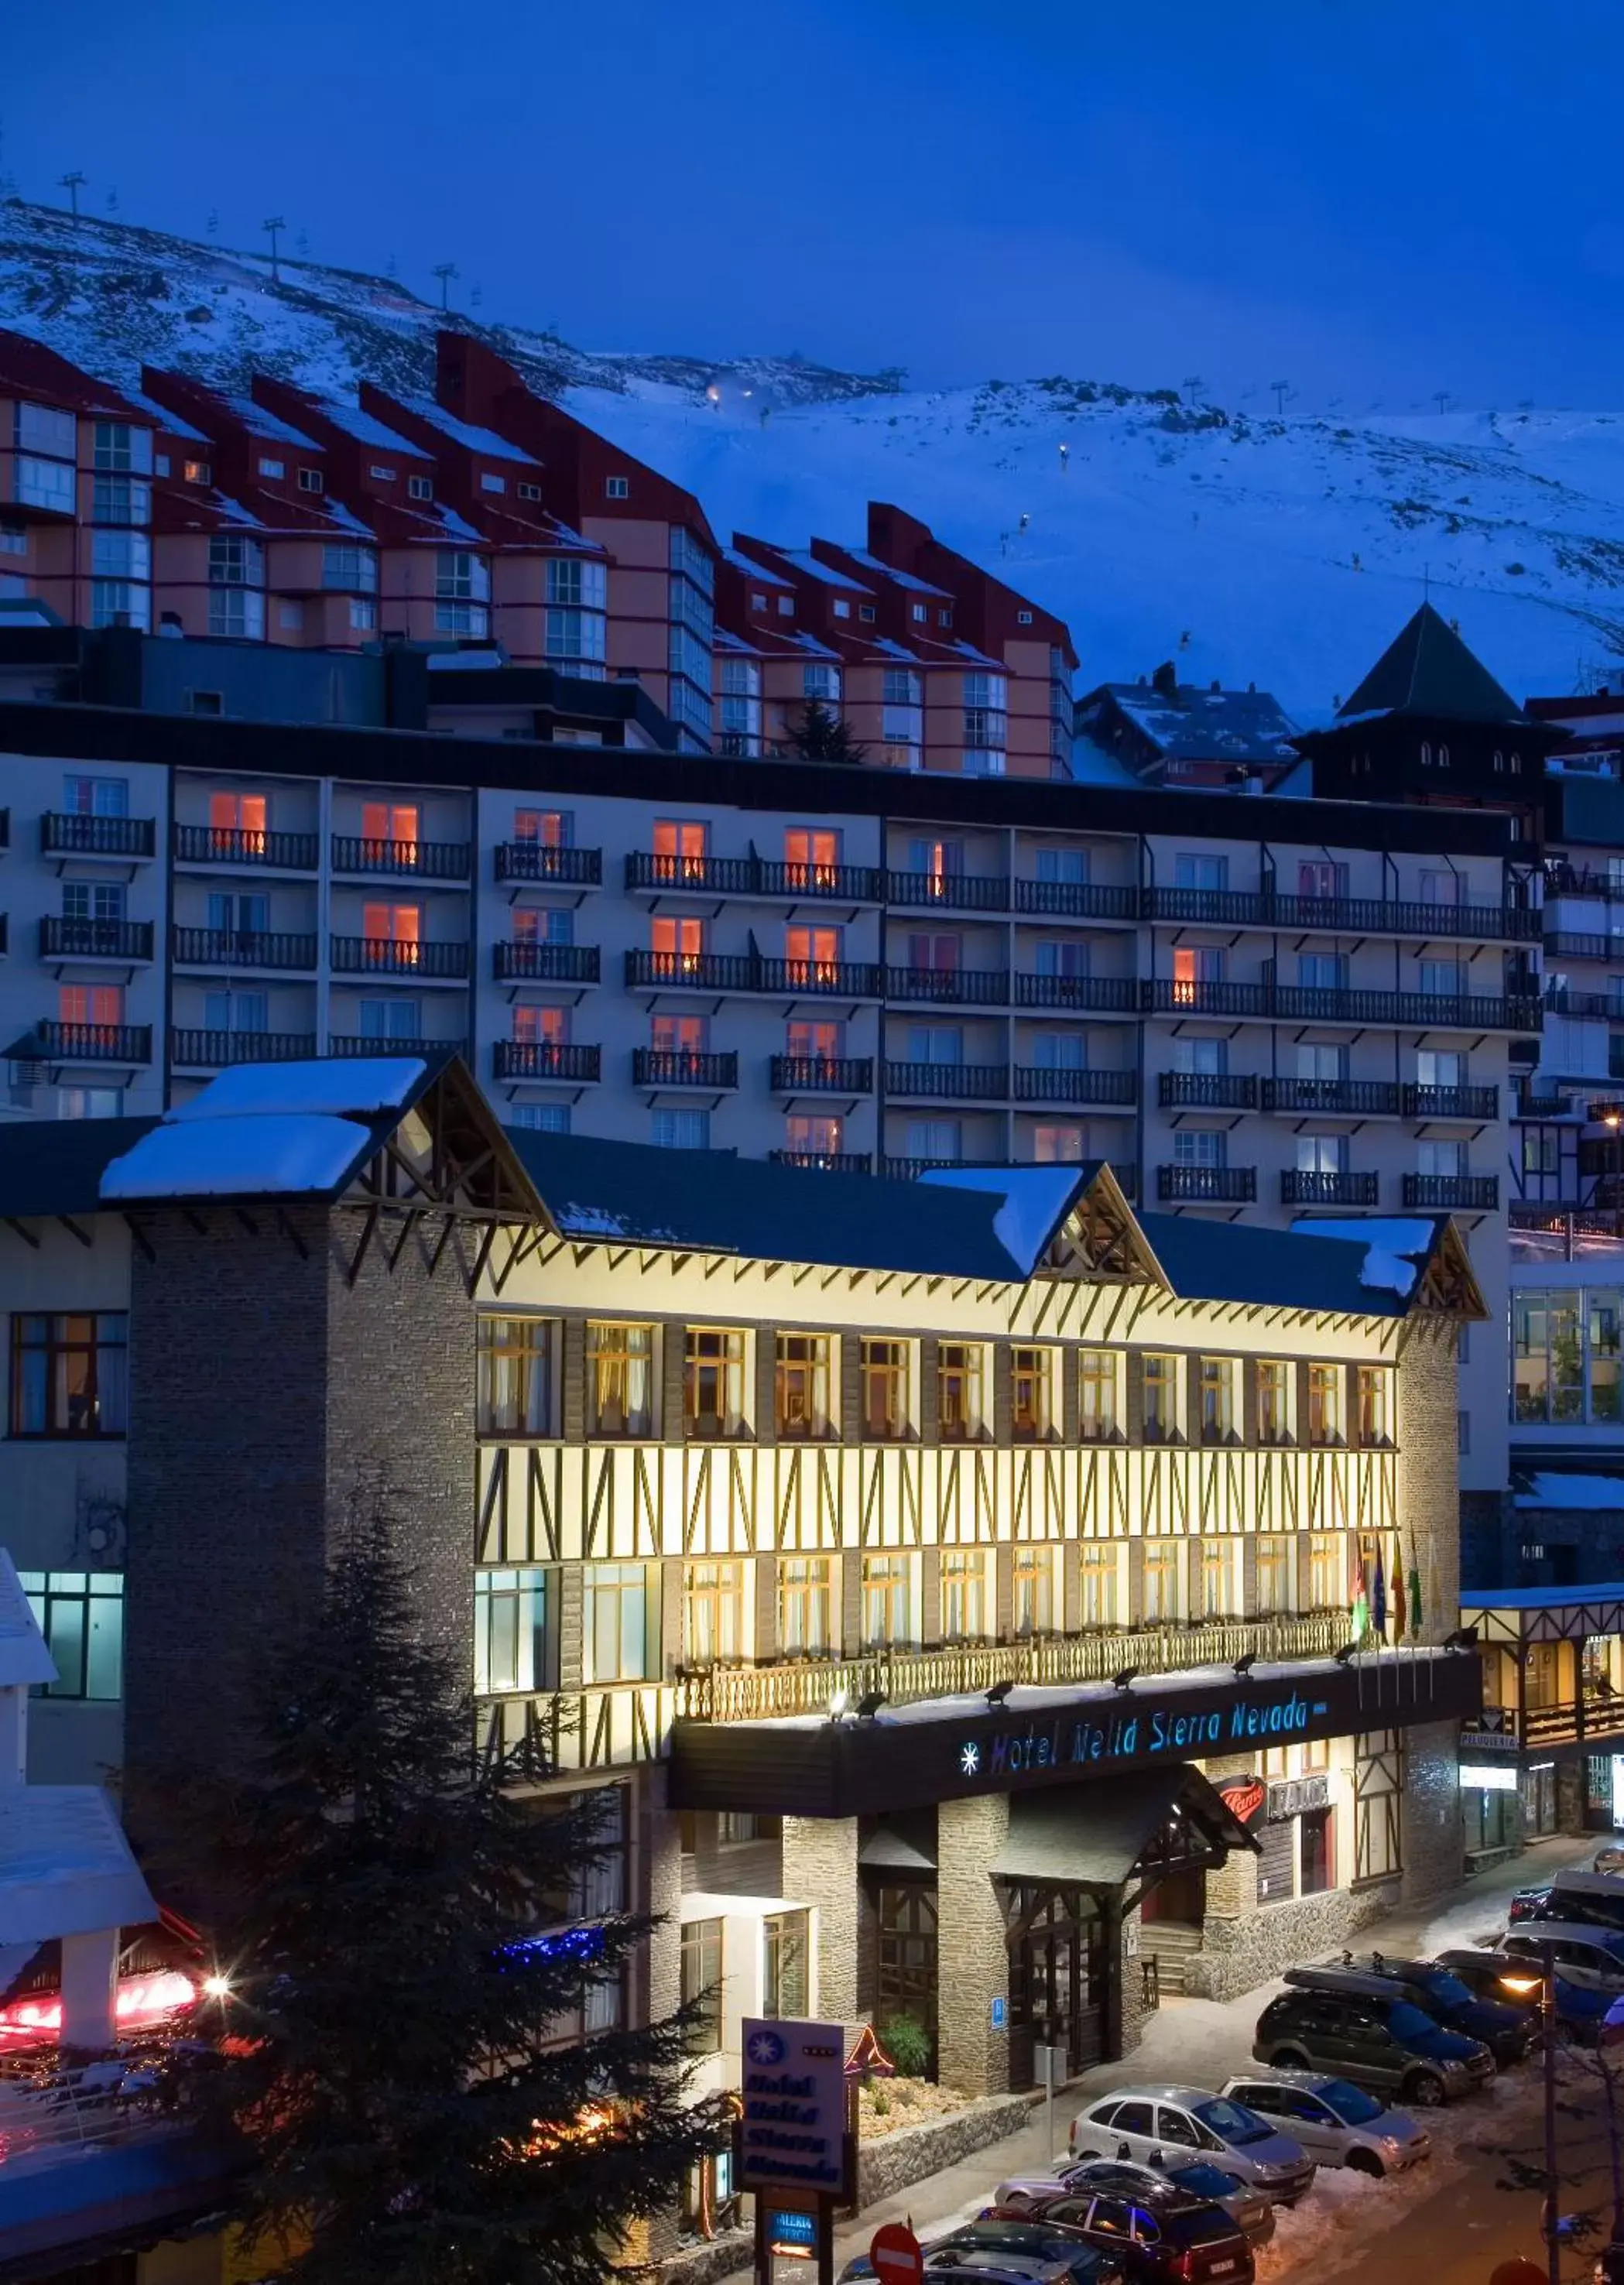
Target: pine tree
378	1895
821	737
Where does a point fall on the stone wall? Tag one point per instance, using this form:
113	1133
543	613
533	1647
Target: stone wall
893	2161
820	1869
1434	1847
975	1964
1237	1955
1429	1469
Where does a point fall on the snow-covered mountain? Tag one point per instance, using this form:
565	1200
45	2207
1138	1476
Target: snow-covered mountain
1246	547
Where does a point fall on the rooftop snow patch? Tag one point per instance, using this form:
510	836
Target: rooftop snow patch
249	1157
65	1866
24	1658
1035	1198
360	1088
1395	1250
1549	1488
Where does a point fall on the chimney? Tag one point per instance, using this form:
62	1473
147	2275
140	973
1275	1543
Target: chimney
1165	680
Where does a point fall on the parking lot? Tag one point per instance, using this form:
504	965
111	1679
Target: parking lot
1451	2222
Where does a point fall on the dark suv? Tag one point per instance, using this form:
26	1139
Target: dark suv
1362	2028
1507	2031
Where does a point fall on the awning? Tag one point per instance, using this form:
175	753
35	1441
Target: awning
1095	1835
905	1845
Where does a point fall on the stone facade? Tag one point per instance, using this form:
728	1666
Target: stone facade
1434	1846
972	2054
1237	1954
1429	1505
820	1869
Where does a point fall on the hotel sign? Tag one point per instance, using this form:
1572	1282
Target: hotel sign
792	2124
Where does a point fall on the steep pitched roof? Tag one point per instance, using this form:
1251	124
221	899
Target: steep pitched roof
1427	670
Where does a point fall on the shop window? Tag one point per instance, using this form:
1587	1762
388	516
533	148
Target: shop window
966	1602
712	1612
81	1614
1032	1395
1325	1404
1316	1851
786	1982
702	1986
805	1605
888	1600
515	1382
619	1622
1096	1395
887	1405
1162	1412
1101	1585
1374	1405
801	1376
1218	1376
1035	1602
1276	1424
713	1382
514	1631
619	1379
70	1374
961	1415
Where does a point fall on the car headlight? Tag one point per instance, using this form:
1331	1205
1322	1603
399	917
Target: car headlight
1392	2144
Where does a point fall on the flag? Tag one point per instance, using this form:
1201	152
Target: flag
1415	1594
1379	1596
1399	1613
1361	1603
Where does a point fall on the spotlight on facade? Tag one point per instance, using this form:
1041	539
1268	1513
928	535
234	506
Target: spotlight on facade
218	1987
1244	1666
1126	1679
839	1700
1463	1638
1000	1691
869	1704
1347	1651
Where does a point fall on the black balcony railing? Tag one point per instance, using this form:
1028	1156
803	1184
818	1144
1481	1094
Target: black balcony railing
681	1067
65	832
964	892
1104	995
754	876
822	1075
383	955
210	1050
96	1043
1569	943
962	1082
1452	1102
908	1170
1594	1005
953	988
1329	1004
1207	1091
64	939
1442	1193
1529	1101
1040	1083
546	1059
208	947
1336	1098
1345	915
1304	1187
1208	1185
234	844
1082	901
368	1043
747	972
824	1162
537	861
530	962
426	861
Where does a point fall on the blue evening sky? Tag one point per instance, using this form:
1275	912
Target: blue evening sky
1376	200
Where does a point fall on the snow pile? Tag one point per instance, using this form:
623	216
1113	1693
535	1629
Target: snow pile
265	1158
1033	1200
1395	1250
1547	1487
359	1087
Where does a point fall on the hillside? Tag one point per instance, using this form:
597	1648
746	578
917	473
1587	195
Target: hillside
1284	551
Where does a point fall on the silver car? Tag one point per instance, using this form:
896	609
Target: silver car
1337	2123
1169	2119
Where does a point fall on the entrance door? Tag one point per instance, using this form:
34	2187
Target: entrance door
907	1955
1057	1973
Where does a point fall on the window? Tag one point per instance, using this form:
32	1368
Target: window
811	856
1220	1578
70	1374
1058	1146
513	1632
1322	1154
544	1118
272	469
1321	880
1101	1575
1325	1404
93	900
81	1614
1444	1161
1195	1053
1276	1389
515	1391
236	613
1322	972
382	476
1195	966
1062	956
391	934
1162	1595
1207	873
939	1142
120	500
1200	1146
391	1019
681	943
681	848
842	609
820	685
899	685
13	539
1441	977
887	1587
577	634
966	1604
1277	1573
712	1611
713	1382
419	488
123	449
820	1040
1375	1405
1328	1571
576	580
616	1635
680	1130
962	1411
235	561
813	1135
1565	1354
196	472
786	1952
391	828
1034	1584
805	1604
616	488
43	483
470	619
350	567
1218	1398
801	1385
89	1103
887	1406
544	829
702	1986
1032	1394
290	616
120	603
1162	1400
1022	618
1322	1065
121	555
619	1379
528	492
491	483
90	1006
311	480
1067	866
1096	1395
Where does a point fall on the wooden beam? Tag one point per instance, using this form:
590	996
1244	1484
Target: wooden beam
83	1236
26	1235
139	1238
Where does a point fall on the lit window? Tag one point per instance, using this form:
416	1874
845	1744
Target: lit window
1218	1377
713	1382
801	1372
1162	1412
272	469
490	482
1375	1405
513	1632
1162	1594
1102	1573
1276	1574
619	1379
1324	1404
70	1374
962	1416
887	1599
1032	1394
515	1377
966	1602
1328	1571
1220	1578
1275	1408
712	1612
1035	1575
805	1604
702	1986
81	1614
617	1635
887	1406
1096	1395
786	1949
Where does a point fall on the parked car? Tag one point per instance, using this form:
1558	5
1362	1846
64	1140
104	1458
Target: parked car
1609	1857
1140	2119
1195	2177
1587	1963
1337	2123
1491	1976
1592	1899
1525	1902
1362	2028
1164	2237
1033	2253
1507	2030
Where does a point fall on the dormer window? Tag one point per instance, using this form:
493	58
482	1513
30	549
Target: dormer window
617	488
311	480
528	491
919	614
419	488
865	611
1022	618
380	476
197	472
759	602
842	609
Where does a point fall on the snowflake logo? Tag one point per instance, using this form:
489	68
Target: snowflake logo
766	2047
969	1760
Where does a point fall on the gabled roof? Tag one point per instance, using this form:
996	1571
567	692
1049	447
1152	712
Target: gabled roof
1427	671
1372	1269
1193	724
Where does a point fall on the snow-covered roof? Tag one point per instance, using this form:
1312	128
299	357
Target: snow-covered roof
805	560
258	422
1395	1250
457	527
66	1868
267	1130
889	571
1191	724
367	430
24	1658
465	433
1034	1202
347	521
752	569
1550	1488
163	417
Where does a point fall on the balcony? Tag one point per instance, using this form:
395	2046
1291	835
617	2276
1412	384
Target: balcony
94	1043
1041	1083
423	861
232	846
1207	1091
1446	1193
1345	915
1325	1004
206	947
537	860
962	1082
546	1059
1116	995
729	972
530	962
820	1075
1478	1102
824	1162
368	1043
754	876
204	1050
383	955
680	1068
127	941
952	987
1207	1186
1076	900
1299	1187
805	1686
1336	1098
65	832
909	1170
1599	1006
944	892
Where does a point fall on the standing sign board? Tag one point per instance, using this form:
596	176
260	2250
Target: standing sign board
792	2127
